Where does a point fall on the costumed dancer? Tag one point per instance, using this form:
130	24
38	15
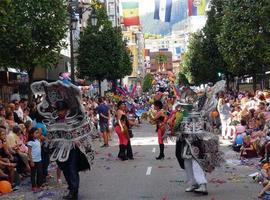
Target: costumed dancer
123	136
197	150
69	130
121	111
160	118
195	174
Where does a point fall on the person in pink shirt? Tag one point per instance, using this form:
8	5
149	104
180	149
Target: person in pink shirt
240	129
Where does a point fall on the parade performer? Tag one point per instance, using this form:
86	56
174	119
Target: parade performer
160	118
69	130
121	111
197	150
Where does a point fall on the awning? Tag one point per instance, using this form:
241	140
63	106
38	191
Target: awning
13	70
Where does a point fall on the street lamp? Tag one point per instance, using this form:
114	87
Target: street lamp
94	18
72	27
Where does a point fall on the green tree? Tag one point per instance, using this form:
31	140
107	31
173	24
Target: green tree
102	52
31	34
123	66
161	60
182	79
147	82
196	63
211	31
203	62
3	7
245	37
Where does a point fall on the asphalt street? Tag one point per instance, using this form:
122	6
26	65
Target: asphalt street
146	178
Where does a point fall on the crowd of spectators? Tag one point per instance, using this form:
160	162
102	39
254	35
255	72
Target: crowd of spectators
21	131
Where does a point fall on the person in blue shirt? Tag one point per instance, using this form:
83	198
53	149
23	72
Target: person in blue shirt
104	117
34	151
44	146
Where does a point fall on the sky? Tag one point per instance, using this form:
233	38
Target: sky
146	6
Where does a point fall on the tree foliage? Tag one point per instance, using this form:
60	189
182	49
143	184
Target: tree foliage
102	52
31	33
203	60
182	79
245	36
147	82
235	41
3	7
197	64
211	32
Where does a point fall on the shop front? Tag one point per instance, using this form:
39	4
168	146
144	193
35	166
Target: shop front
10	80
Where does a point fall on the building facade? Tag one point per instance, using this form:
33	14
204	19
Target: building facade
134	39
172	43
113	12
158	65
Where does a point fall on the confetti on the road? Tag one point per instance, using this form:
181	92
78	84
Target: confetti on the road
217	181
21	197
46	195
236	179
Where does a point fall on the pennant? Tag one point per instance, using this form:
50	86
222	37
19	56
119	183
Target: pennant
163	9
120	91
131	13
124	90
133	91
196	7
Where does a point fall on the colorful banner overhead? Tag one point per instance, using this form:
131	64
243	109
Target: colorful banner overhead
163	9
131	13
196	7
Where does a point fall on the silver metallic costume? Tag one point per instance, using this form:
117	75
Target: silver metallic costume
197	149
74	130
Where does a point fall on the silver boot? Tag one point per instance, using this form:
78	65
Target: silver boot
202	189
191	188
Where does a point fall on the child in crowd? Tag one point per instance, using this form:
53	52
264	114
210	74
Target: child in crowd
34	151
248	149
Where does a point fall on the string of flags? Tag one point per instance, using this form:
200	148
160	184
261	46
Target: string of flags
163	10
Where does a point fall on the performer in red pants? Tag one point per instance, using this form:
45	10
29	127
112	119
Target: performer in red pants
160	119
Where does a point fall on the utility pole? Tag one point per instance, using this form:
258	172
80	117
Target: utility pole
71	48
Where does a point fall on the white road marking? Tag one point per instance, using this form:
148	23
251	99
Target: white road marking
154	150
148	172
